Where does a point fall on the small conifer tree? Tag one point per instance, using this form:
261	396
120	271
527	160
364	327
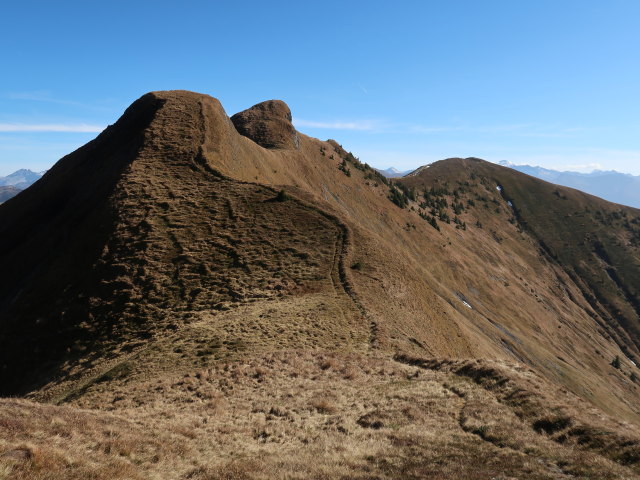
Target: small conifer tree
615	363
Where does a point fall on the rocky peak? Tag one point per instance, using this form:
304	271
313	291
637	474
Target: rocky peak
268	124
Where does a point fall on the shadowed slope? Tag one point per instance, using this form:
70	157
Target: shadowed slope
243	302
42	256
194	245
157	240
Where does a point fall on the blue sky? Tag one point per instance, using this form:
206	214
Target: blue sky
404	83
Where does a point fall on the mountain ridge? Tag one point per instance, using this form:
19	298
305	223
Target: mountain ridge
610	185
21	178
210	155
178	262
7	192
13	184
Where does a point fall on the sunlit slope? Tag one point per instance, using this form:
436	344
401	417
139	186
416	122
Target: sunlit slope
596	242
318	414
247	235
542	274
483	289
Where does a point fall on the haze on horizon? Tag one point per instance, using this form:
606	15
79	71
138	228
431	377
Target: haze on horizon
540	83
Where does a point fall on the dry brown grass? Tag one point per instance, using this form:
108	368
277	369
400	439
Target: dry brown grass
46	442
197	254
234	343
324	405
285	415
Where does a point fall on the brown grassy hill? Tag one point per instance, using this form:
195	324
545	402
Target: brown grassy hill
182	244
153	240
596	242
417	283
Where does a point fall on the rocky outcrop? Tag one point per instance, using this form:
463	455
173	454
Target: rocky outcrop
268	124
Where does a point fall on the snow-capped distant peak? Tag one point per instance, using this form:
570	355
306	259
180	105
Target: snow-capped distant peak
614	186
419	169
393	172
20	179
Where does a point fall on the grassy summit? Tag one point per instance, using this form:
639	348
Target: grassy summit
196	296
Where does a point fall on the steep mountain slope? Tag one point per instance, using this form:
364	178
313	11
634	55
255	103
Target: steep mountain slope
565	238
596	243
159	242
417	283
182	243
129	256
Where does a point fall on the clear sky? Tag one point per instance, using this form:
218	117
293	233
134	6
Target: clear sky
399	83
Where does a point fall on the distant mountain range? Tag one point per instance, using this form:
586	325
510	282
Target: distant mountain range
614	186
392	172
14	183
7	192
22	178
